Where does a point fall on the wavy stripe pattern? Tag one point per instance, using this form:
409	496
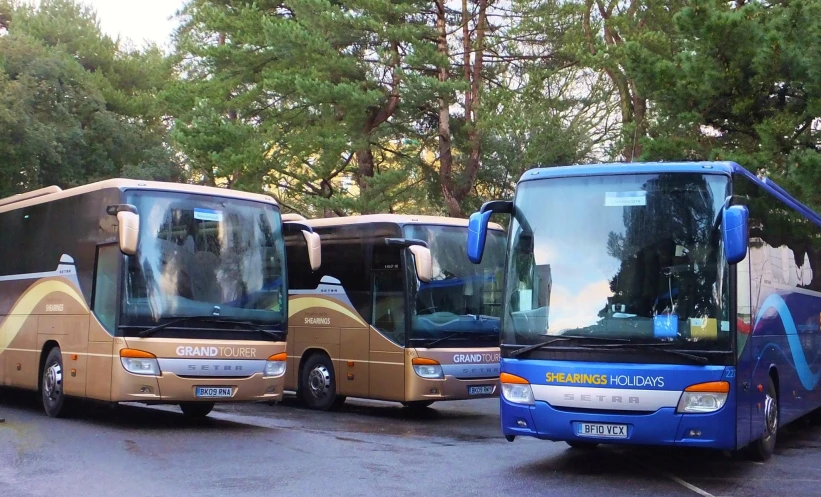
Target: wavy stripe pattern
802	367
24	307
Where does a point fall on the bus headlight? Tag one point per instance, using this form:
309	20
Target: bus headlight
139	362
704	397
516	389
275	365
428	368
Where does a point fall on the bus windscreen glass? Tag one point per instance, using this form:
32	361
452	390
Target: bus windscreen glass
627	257
463	300
206	257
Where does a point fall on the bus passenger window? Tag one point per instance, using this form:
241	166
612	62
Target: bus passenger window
389	305
105	285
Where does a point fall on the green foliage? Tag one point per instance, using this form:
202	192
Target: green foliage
739	83
74	108
300	95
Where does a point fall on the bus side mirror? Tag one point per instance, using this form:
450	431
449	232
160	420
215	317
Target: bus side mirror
129	231
477	227
290	224
735	234
423	262
314	249
477	235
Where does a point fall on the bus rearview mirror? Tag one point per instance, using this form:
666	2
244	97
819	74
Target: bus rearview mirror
314	246
423	262
735	233
129	231
477	227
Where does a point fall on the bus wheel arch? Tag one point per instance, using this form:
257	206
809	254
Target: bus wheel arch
763	447
317	381
51	381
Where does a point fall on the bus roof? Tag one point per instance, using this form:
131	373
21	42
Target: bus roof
52	193
394	218
703	167
631	168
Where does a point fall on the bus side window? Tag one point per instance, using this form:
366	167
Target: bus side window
105	285
389	305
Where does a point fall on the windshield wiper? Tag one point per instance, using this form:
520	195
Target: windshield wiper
461	333
655	346
560	338
204	319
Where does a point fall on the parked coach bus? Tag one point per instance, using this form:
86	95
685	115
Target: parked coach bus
660	304
136	291
397	312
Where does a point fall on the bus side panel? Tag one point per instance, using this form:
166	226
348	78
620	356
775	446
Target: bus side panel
387	369
21	355
353	369
70	331
744	368
100	352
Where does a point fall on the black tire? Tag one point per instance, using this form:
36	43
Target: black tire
762	449
317	383
51	385
581	445
196	409
418	404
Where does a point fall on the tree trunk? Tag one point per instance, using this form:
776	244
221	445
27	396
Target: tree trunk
455	190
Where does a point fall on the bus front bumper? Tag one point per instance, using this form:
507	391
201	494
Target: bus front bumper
171	388
662	427
450	388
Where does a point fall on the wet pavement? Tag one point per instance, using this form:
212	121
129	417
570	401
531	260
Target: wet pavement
366	448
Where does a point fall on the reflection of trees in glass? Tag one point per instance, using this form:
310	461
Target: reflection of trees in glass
774	224
668	246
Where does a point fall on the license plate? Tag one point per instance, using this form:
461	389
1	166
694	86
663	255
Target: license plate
480	390
601	430
214	391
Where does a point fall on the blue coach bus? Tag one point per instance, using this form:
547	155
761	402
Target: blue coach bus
657	304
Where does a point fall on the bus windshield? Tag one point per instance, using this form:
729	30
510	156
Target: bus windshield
462	297
627	257
201	256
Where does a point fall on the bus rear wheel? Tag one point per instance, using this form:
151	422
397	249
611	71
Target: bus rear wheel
763	448
317	383
51	385
196	409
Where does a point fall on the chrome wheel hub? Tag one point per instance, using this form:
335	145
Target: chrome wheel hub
771	415
319	381
53	382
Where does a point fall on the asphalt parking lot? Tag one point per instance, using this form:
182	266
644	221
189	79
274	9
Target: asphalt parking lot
365	448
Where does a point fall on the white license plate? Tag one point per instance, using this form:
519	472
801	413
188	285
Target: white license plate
214	391
601	430
480	390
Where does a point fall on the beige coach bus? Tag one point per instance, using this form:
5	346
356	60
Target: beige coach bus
397	312
148	292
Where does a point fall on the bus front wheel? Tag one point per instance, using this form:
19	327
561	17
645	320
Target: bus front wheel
763	448
317	385
51	386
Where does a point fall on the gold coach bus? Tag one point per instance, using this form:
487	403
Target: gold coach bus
397	313
149	292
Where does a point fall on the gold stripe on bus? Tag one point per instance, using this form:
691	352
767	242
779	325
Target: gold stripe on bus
303	303
26	305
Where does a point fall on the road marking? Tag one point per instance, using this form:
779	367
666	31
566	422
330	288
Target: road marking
688	486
